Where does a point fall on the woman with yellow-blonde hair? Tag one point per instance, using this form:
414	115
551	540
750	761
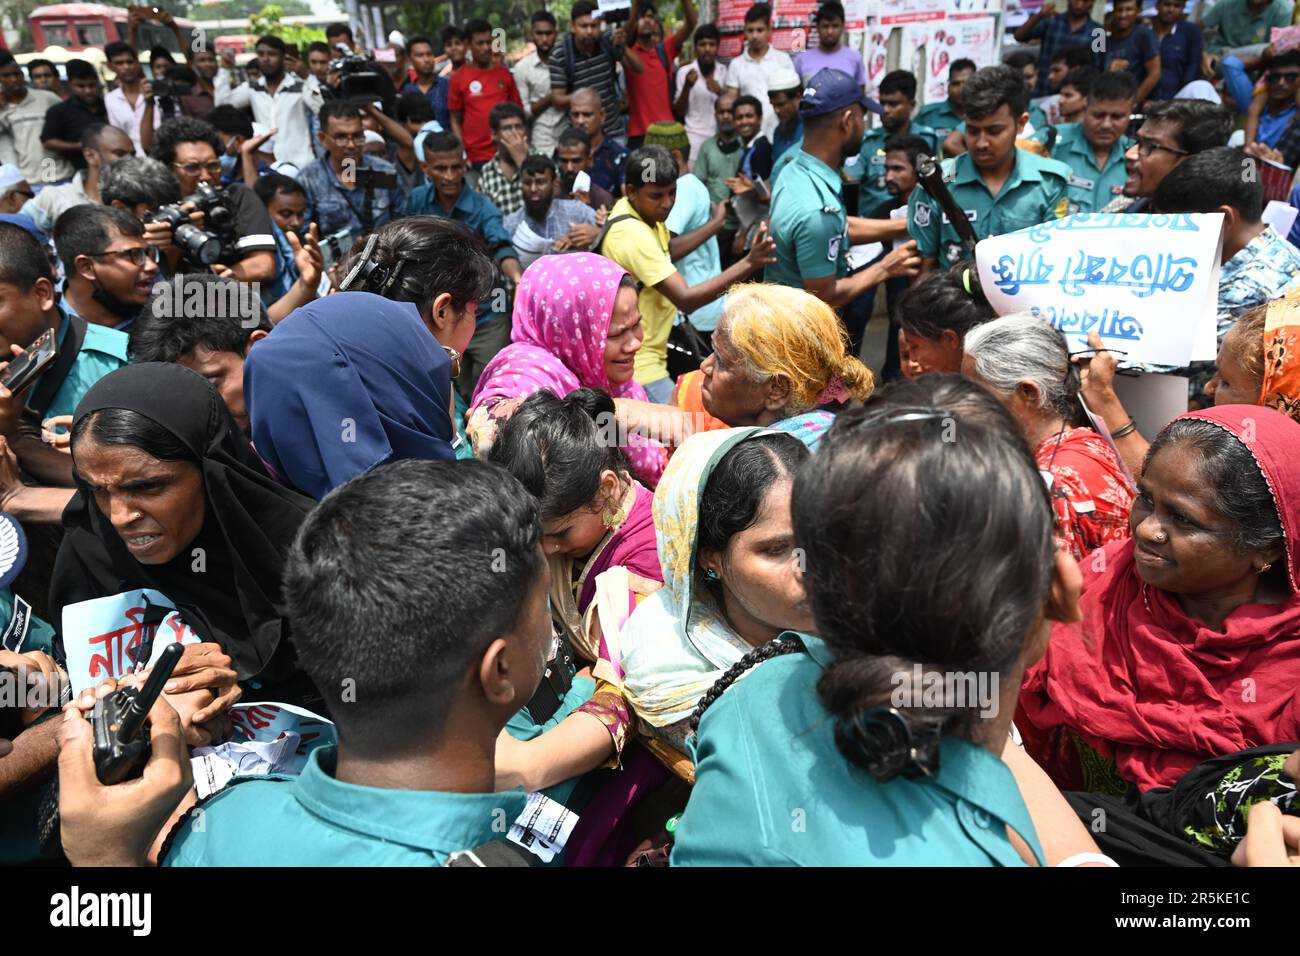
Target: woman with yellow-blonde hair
778	353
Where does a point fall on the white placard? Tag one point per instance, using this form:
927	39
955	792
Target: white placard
1147	284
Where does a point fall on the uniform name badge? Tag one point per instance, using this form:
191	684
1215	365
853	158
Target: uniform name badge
1081	182
16	633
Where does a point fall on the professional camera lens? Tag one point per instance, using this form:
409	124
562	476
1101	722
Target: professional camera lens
197	244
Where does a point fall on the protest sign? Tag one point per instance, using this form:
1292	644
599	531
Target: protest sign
1147	284
103	637
266	722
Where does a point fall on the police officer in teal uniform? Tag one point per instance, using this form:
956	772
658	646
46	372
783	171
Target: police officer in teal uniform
452	603
946	115
1094	148
809	224
999	187
22	632
819	757
897	100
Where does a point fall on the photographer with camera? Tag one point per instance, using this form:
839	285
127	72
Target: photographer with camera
196	95
349	190
276	101
233	216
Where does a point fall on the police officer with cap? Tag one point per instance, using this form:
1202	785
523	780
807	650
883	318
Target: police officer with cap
808	222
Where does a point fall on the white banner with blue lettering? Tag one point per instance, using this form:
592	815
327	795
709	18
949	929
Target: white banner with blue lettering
1147	284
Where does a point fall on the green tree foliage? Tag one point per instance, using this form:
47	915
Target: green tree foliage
237	9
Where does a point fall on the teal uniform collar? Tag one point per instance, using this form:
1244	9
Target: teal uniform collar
966	770
439	822
823	172
1076	142
1025	170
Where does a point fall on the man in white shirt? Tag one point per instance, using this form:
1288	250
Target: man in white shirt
699	85
130	103
100	145
749	73
22	117
276	101
533	77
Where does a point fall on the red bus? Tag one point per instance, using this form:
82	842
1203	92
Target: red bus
83	26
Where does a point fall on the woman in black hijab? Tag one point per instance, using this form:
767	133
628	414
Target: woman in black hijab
171	496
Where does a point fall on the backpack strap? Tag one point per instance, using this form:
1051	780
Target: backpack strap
52	379
600	239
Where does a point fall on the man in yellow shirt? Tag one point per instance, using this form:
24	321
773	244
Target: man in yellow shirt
638	240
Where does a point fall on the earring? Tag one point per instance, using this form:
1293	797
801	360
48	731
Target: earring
1267	565
711	574
612	515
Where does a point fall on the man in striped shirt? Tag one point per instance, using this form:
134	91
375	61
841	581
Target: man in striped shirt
588	57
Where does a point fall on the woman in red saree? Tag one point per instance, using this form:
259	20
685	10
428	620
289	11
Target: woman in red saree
1190	643
1025	363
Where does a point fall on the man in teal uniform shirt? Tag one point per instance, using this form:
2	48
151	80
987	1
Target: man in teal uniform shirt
946	115
897	99
1094	149
999	187
811	230
459	631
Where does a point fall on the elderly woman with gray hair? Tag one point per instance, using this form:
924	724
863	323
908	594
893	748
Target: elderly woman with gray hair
1024	361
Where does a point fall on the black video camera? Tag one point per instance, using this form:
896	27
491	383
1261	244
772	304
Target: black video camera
370	180
363	80
204	246
121	750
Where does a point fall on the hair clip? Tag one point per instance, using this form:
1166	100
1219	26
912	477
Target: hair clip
364	268
905	415
885	738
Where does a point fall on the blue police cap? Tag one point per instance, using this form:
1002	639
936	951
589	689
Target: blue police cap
830	90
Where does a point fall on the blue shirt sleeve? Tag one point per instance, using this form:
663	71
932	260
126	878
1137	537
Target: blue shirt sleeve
494	231
1147	44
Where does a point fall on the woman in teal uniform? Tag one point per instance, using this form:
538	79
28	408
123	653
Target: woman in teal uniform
880	742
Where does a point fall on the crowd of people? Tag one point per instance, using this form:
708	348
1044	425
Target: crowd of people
497	444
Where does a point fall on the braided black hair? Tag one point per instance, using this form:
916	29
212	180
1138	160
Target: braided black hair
785	644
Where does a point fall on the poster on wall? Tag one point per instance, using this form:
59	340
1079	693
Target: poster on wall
855	17
960	8
876	52
973	38
894	12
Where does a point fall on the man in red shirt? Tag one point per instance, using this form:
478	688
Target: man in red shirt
649	68
475	88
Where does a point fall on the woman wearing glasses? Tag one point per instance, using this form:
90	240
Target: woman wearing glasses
1024	362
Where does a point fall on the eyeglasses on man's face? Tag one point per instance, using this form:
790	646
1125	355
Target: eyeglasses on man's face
136	256
198	169
1146	147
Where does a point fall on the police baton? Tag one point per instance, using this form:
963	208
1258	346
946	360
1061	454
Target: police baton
929	173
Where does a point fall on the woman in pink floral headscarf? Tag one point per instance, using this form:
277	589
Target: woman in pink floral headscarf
576	325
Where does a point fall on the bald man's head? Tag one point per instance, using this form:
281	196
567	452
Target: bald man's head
586	111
